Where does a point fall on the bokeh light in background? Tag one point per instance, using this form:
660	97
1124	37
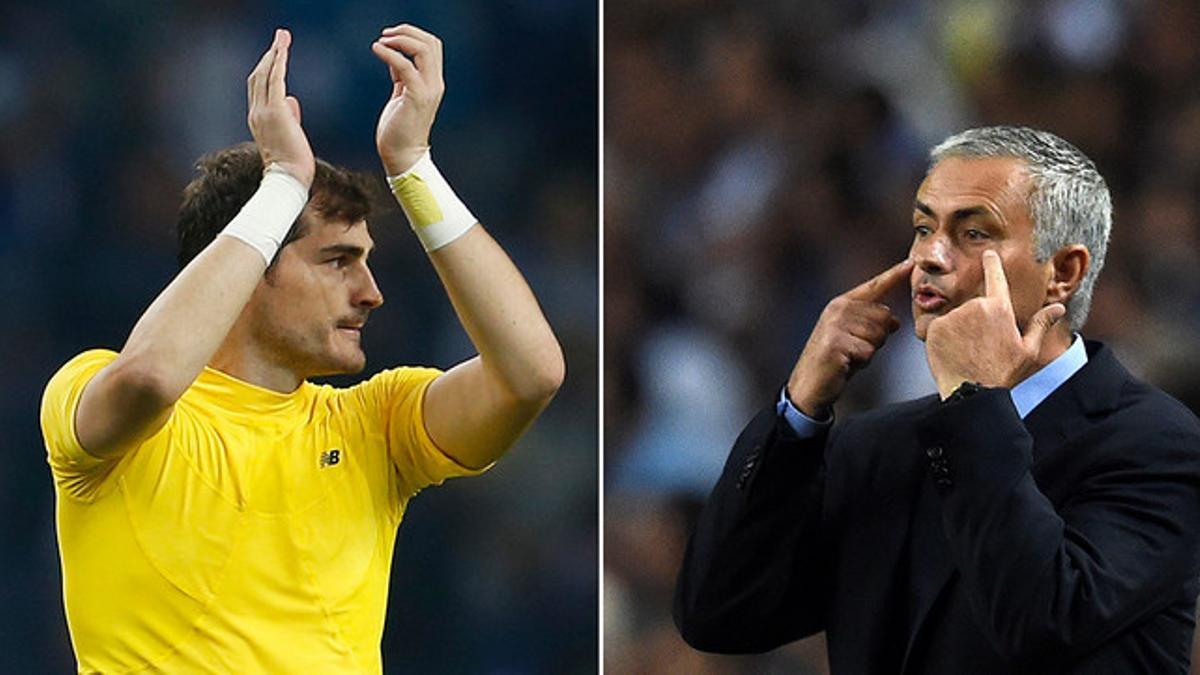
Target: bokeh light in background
103	109
762	157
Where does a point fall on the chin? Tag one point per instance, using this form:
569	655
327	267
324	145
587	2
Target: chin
921	324
341	362
352	364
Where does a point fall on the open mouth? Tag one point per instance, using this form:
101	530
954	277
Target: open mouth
929	300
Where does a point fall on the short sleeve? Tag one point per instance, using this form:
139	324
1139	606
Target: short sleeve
398	394
73	468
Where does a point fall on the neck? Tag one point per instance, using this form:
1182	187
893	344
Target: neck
248	361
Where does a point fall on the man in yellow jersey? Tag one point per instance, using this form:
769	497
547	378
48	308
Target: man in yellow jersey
217	512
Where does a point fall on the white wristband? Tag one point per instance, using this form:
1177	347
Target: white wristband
434	212
266	219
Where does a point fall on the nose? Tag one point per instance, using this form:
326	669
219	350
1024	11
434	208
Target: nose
933	254
367	294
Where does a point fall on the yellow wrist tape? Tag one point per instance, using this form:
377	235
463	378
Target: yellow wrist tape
434	212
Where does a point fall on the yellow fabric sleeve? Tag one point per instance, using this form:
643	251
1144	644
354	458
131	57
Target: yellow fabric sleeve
75	471
397	396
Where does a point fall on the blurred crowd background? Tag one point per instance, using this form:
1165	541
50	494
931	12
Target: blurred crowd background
105	106
761	158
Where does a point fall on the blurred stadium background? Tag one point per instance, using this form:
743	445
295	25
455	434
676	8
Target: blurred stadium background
762	157
103	109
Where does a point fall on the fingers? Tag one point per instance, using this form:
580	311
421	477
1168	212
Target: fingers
256	83
868	321
995	283
1042	321
422	54
876	288
859	351
401	69
424	47
874	332
294	105
396	60
277	87
409	29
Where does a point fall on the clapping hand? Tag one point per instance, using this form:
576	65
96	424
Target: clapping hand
414	61
274	116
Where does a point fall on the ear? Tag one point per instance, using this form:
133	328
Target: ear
1067	267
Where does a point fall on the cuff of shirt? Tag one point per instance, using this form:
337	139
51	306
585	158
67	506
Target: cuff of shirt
802	425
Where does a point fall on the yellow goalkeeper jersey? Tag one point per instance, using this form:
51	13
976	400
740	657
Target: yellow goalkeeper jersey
252	534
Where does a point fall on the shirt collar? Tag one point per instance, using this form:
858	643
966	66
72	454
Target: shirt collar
1031	391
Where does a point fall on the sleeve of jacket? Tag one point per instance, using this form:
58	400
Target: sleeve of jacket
1049	584
752	573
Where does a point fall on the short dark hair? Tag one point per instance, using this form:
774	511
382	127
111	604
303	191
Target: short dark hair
229	177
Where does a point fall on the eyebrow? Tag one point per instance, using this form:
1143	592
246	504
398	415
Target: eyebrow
959	214
346	249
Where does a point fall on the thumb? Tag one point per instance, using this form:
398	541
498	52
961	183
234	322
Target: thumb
294	105
1041	322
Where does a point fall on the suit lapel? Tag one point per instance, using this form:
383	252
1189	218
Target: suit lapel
1093	390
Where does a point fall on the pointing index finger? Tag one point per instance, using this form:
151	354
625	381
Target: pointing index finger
875	288
995	283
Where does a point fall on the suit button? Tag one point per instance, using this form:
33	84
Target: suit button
934	452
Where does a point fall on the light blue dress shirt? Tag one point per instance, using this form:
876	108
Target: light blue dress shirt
1025	396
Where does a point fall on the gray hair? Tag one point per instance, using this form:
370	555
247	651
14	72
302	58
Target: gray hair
1069	203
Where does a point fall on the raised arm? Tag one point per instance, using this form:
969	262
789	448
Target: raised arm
132	397
756	572
477	409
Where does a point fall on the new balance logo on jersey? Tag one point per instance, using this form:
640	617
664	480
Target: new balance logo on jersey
330	457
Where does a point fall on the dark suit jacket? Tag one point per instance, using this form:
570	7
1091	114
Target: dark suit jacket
956	538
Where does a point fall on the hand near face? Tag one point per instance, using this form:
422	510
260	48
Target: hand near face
979	341
274	116
851	328
414	60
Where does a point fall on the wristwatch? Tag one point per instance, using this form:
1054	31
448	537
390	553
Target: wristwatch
965	390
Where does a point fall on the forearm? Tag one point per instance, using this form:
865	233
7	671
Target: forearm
185	325
756	568
188	321
479	408
182	329
476	410
518	351
132	397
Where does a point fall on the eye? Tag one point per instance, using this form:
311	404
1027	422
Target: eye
976	235
921	230
338	262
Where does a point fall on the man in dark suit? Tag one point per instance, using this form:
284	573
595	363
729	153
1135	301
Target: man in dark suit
1041	514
